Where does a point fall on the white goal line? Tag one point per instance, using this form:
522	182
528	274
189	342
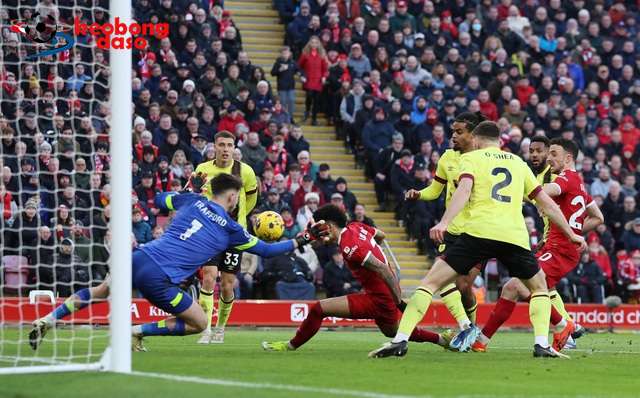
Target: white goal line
272	386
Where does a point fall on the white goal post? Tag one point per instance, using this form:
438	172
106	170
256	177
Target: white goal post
118	357
15	355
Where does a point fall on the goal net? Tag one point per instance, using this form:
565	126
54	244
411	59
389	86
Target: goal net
65	167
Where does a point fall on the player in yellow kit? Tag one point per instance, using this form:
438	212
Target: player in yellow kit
493	184
229	261
447	175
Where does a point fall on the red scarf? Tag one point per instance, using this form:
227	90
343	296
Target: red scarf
346	76
6	208
406	167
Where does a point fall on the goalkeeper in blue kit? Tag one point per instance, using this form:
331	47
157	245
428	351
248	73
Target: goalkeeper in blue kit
201	229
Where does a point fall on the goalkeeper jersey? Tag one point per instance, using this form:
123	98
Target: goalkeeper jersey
248	193
200	230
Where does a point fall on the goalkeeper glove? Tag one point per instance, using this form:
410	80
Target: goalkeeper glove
198	181
313	232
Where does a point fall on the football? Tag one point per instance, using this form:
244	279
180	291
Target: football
269	226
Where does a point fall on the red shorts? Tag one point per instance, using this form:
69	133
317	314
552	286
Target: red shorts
555	265
380	308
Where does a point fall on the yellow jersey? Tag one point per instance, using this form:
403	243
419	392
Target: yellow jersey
249	193
500	181
447	173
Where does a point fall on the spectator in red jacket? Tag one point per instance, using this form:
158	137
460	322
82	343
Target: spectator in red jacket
231	119
524	91
487	107
599	255
313	63
630	133
146	139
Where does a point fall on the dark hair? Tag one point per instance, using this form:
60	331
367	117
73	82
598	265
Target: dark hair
471	120
487	129
541	138
224	134
331	213
567	145
224	182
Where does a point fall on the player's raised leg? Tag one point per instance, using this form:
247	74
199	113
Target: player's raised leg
75	302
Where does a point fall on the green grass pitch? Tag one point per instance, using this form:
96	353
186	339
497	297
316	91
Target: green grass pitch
335	364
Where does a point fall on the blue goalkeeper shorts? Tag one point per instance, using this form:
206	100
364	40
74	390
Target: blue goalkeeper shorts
156	286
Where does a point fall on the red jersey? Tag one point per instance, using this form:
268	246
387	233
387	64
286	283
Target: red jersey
573	201
356	245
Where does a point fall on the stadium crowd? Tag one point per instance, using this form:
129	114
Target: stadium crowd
391	76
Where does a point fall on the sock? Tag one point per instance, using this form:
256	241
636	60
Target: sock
423	335
501	312
556	317
539	313
453	300
69	305
471	312
224	310
206	302
160	328
413	314
309	326
558	306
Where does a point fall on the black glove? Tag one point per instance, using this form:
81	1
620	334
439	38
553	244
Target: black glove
402	305
197	181
313	232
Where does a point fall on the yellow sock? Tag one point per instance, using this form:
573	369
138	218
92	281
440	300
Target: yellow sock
556	301
471	312
206	302
413	314
539	313
224	310
453	300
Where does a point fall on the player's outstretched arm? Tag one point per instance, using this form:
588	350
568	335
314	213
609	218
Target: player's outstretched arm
594	218
458	201
173	200
432	192
318	230
387	276
546	205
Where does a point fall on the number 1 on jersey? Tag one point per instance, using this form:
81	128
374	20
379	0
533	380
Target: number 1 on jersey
195	227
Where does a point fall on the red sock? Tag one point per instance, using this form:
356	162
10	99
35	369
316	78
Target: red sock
424	335
501	312
556	317
309	326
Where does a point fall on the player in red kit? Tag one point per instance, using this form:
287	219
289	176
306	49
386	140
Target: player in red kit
381	297
558	256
